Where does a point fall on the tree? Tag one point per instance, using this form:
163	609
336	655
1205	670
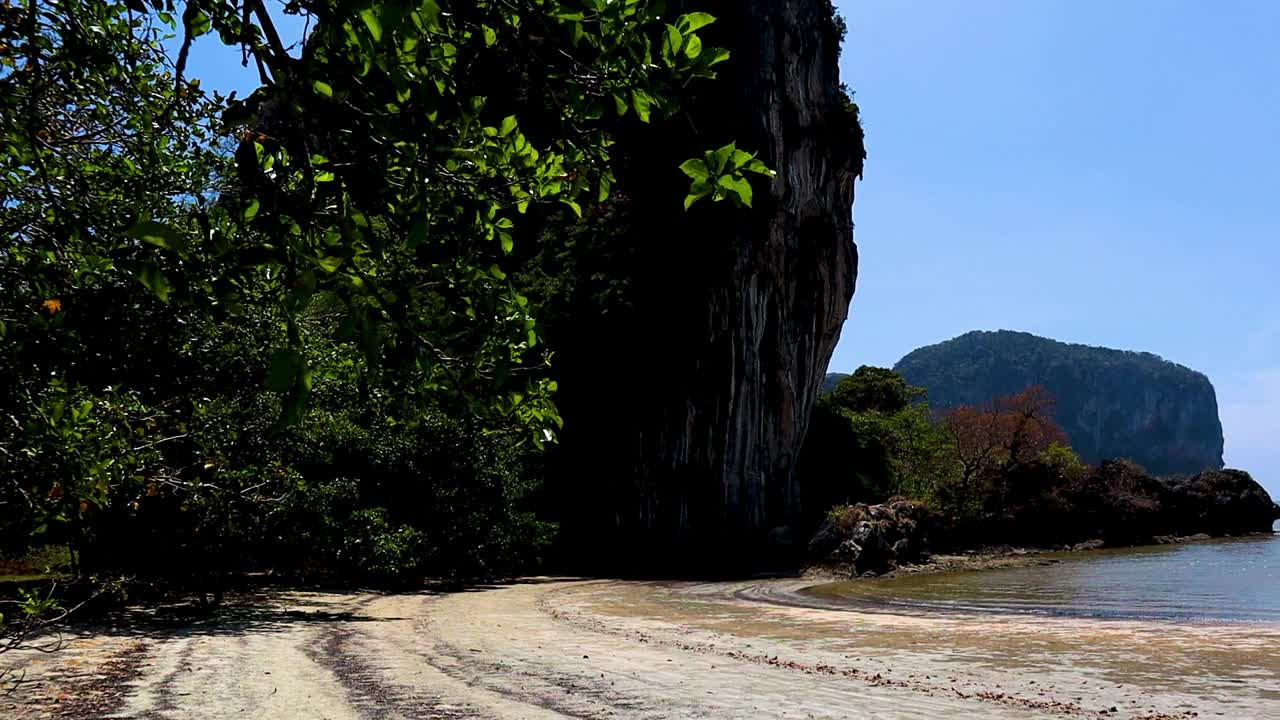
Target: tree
101	137
1064	460
873	389
388	165
871	439
183	274
989	440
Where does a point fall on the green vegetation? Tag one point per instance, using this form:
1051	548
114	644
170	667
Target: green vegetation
874	438
284	332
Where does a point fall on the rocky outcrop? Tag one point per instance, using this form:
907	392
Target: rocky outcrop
1224	502
1119	503
1116	503
1111	403
873	539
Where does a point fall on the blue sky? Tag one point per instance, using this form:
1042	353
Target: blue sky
1096	172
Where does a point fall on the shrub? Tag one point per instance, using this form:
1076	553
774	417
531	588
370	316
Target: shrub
398	501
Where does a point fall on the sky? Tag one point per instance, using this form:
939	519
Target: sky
1095	172
1105	173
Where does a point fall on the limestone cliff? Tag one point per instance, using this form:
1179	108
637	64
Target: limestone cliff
1111	403
720	319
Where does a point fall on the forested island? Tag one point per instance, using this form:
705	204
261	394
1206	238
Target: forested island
1110	403
906	479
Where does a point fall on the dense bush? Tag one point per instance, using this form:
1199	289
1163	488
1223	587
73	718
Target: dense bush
869	439
394	501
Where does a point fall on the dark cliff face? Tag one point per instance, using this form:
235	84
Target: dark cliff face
721	319
767	312
1111	403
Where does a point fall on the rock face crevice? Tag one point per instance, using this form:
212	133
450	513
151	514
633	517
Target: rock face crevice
1111	403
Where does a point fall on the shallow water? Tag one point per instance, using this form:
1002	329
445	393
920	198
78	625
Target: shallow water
1234	580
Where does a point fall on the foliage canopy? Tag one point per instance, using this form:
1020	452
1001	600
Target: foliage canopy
291	320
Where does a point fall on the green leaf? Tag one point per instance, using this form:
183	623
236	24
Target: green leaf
417	233
641	101
696	169
715	56
697	191
692	198
693	47
251	210
720	158
200	23
430	12
490	36
756	166
672	41
157	234
577	209
329	263
508	126
322	88
737	185
507	243
155	281
370	17
285	364
294	403
691	22
324	176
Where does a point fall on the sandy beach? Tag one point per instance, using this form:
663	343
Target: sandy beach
553	648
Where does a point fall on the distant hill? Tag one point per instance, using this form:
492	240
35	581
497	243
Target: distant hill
831	381
1111	403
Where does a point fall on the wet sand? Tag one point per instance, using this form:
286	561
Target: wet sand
615	649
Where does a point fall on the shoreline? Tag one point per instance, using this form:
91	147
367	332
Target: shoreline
1048	665
1004	556
660	650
